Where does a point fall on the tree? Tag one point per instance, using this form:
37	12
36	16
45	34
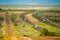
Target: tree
1	21
45	32
48	33
0	9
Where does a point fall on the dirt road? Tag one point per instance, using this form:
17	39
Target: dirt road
9	30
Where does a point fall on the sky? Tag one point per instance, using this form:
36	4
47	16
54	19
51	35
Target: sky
29	2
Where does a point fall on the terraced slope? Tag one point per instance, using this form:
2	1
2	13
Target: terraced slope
41	24
25	29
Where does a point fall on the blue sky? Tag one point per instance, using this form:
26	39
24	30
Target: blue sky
29	2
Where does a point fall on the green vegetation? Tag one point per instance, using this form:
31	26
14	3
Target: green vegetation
56	21
13	18
0	9
48	33
52	18
1	21
55	11
1	27
49	30
22	28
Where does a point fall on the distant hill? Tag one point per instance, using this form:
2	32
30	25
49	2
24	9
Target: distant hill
37	7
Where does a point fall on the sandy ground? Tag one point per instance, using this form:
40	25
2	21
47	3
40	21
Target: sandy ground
29	16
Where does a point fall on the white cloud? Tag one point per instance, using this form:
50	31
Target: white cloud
34	3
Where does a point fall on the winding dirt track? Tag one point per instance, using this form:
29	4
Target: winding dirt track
29	17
